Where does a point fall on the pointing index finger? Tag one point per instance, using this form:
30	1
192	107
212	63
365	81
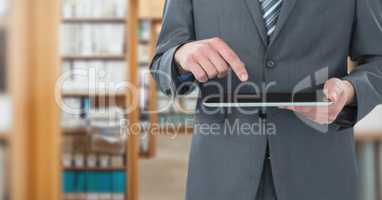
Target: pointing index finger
231	58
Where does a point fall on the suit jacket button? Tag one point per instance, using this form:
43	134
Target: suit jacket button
270	64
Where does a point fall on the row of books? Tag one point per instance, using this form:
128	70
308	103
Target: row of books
100	71
84	75
92	39
106	127
94	185
85	152
101	77
82	160
73	112
73	108
94	8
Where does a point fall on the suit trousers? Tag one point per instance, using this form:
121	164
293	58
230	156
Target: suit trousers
266	189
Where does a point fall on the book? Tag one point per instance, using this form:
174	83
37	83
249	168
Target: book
68	181
93	8
119	185
101	77
94	185
92	39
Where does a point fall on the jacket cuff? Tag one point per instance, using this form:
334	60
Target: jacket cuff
168	75
365	102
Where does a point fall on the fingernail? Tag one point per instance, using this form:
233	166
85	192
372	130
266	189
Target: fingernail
244	77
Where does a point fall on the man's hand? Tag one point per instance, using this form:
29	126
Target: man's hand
210	58
338	91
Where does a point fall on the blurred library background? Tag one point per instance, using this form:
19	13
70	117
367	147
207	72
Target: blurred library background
63	71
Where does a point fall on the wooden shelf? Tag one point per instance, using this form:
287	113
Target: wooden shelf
74	131
99	20
4	137
175	129
99	57
94	57
105	20
151	9
94	168
145	155
87	94
144	41
368	135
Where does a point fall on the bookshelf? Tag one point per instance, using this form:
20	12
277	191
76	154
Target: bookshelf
93	57
112	31
107	20
91	94
94	168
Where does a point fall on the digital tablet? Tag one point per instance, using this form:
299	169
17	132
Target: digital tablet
270	100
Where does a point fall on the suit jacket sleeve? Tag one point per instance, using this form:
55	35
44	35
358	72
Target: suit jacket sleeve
177	29
366	50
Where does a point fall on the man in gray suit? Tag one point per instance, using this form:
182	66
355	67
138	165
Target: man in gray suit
276	46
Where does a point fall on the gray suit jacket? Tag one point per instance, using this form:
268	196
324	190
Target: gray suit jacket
311	44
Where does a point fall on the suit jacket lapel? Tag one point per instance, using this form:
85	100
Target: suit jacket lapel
255	11
286	10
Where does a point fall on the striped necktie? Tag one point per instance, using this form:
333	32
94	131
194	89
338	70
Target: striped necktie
271	11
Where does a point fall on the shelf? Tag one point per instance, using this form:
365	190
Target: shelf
94	57
89	20
74	131
103	20
4	137
94	168
100	57
144	41
87	94
368	135
175	129
144	155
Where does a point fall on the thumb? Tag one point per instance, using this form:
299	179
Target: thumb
330	93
